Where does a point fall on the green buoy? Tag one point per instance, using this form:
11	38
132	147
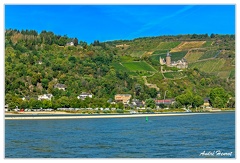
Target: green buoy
146	119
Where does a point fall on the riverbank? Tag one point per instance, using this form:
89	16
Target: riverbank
82	116
37	113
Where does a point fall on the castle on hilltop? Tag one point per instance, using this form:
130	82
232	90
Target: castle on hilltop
182	64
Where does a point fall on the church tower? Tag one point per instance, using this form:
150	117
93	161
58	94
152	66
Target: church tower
168	59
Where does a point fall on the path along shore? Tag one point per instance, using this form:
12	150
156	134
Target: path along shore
82	116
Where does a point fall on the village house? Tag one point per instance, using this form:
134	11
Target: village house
206	104
137	103
60	86
70	44
124	98
122	46
84	95
45	97
165	101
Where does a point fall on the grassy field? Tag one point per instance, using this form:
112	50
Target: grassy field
138	66
192	57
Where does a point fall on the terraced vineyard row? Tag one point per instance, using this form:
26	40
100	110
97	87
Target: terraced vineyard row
138	66
174	56
209	65
119	67
207	44
134	68
192	57
224	74
188	45
137	53
168	45
208	54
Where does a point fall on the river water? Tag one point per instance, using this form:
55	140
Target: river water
193	136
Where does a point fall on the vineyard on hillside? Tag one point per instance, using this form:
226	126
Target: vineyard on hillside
188	45
138	66
168	45
192	57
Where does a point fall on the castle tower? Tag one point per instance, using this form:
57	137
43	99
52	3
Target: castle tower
161	61
168	59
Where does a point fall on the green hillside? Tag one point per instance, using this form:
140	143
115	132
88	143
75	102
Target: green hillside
173	75
36	62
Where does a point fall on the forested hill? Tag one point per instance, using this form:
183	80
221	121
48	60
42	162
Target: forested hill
36	62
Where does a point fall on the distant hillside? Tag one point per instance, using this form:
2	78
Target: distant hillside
36	62
197	49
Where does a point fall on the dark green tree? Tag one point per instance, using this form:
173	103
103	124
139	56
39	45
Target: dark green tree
75	41
219	97
197	101
150	103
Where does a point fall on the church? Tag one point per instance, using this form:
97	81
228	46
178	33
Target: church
181	64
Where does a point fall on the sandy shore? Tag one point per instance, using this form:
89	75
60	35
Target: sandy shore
38	113
98	116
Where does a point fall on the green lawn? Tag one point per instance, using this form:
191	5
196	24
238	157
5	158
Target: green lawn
138	66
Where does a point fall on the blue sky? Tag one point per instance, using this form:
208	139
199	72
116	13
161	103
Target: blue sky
115	22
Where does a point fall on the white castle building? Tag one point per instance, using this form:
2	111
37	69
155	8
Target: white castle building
181	64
